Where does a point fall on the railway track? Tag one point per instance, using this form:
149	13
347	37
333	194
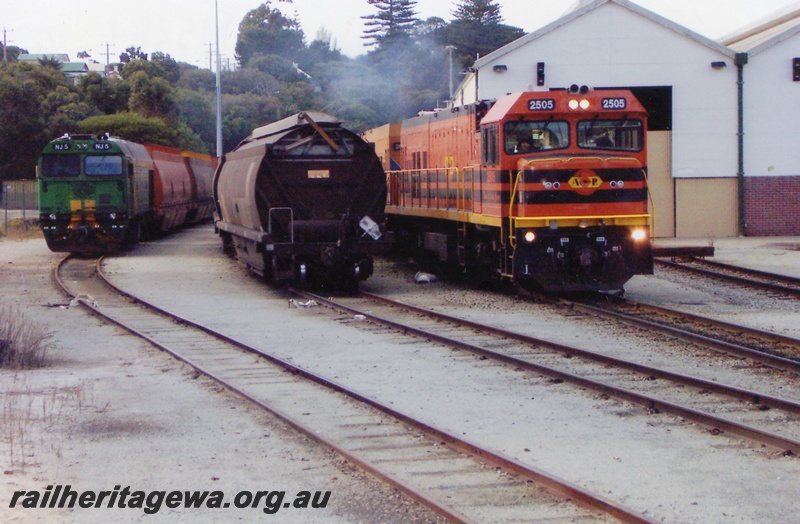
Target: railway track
759	417
457	479
764	347
744	276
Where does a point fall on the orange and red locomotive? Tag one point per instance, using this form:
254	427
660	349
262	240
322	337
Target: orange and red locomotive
548	189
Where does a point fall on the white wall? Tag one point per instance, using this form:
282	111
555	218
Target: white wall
772	112
612	46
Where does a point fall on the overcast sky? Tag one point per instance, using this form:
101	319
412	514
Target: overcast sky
185	28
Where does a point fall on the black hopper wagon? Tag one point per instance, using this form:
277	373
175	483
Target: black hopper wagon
302	201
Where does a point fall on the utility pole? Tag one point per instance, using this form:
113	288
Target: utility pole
219	87
5	46
451	48
108	54
210	57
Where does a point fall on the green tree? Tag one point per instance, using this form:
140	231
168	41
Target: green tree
23	123
11	52
141	129
172	71
151	96
395	20
196	110
477	30
244	112
197	79
132	53
151	69
480	11
105	94
265	31
63	109
50	62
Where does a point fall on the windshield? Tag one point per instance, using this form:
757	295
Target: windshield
613	135
526	136
95	165
61	166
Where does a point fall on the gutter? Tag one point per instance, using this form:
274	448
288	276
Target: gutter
741	61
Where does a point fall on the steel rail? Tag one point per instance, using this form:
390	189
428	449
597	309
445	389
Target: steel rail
552	484
735	392
769	359
310	432
793	289
713	422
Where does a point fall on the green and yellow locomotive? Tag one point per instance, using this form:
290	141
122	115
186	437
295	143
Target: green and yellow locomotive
97	194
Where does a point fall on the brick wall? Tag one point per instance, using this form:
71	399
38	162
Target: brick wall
772	205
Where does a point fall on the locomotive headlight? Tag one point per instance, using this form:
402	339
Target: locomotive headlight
573	104
52	216
548	185
530	236
638	235
584	104
112	216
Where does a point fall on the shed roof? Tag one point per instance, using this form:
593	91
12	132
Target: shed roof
766	32
584	7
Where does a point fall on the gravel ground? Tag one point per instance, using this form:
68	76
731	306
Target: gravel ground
657	464
109	410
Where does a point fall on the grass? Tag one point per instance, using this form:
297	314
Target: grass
28	416
19	229
23	344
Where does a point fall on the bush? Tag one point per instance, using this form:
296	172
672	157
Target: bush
23	344
18	229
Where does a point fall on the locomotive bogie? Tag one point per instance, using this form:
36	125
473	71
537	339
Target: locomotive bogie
599	258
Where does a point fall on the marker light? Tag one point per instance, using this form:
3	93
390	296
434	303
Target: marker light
530	236
638	235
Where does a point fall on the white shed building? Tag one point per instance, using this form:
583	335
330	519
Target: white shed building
689	83
771	93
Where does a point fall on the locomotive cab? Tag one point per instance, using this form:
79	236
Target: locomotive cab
578	214
84	194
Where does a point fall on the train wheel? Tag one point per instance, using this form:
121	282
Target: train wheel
134	233
227	245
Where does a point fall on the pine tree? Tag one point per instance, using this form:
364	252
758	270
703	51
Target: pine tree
484	12
395	20
477	29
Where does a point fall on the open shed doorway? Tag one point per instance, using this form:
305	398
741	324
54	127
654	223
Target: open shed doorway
657	100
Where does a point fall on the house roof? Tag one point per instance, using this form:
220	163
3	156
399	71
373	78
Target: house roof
74	67
33	57
766	32
585	7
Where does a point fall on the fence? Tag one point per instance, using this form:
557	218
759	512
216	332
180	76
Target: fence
19	194
18	199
